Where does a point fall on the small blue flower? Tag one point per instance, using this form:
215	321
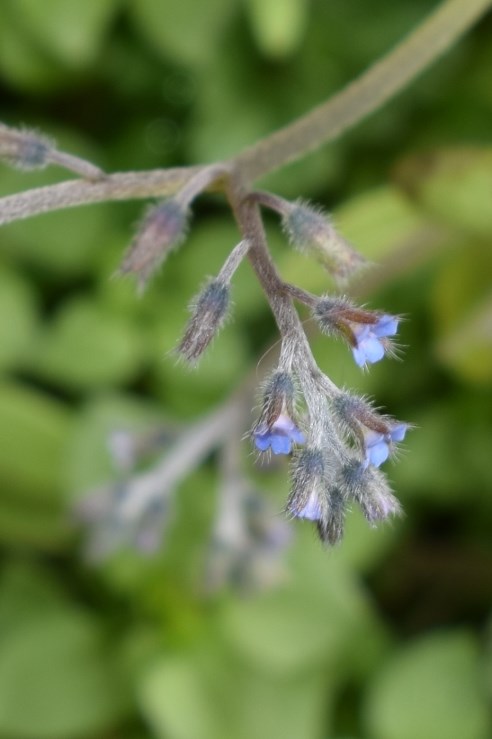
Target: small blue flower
371	339
378	445
279	436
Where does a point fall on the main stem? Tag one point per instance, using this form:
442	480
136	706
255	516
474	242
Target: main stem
367	93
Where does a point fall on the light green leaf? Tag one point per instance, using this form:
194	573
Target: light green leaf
34	430
68	30
55	680
278	25
184	30
17	318
430	689
453	185
87	347
462	303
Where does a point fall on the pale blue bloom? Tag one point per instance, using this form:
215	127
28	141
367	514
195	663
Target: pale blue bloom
279	436
378	445
370	339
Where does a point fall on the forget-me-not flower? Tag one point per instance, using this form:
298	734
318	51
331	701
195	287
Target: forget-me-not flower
280	436
371	340
378	445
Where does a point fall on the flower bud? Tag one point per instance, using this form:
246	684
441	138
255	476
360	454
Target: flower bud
308	497
311	231
369	488
24	149
331	527
163	228
209	313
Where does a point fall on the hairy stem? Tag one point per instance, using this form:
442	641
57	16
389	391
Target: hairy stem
121	186
366	94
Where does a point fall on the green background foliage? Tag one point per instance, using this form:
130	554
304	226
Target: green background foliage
388	636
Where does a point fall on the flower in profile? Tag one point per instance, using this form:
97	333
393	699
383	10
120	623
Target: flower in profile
280	436
368	332
375	434
275	429
371	340
378	446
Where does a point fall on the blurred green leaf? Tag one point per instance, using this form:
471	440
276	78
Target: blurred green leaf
454	185
167	693
430	689
67	30
17	318
86	347
23	64
279	25
229	700
462	304
308	623
56	681
183	30
34	430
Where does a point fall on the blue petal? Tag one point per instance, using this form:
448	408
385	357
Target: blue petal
280	444
398	432
373	349
386	326
378	453
262	442
359	356
311	510
297	436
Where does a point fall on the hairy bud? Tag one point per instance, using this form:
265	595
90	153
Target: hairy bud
369	488
308	497
209	312
163	228
311	231
24	149
331	527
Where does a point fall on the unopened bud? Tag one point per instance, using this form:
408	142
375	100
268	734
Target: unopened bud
24	149
331	527
278	396
308	496
369	488
209	313
313	232
163	228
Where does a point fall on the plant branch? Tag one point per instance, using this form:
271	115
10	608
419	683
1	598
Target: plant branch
120	186
366	94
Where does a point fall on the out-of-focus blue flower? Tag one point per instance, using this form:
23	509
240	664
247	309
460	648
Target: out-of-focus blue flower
378	445
279	436
371	339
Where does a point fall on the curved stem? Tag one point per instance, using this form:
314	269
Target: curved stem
367	93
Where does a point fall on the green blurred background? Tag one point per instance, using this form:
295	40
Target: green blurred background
387	637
